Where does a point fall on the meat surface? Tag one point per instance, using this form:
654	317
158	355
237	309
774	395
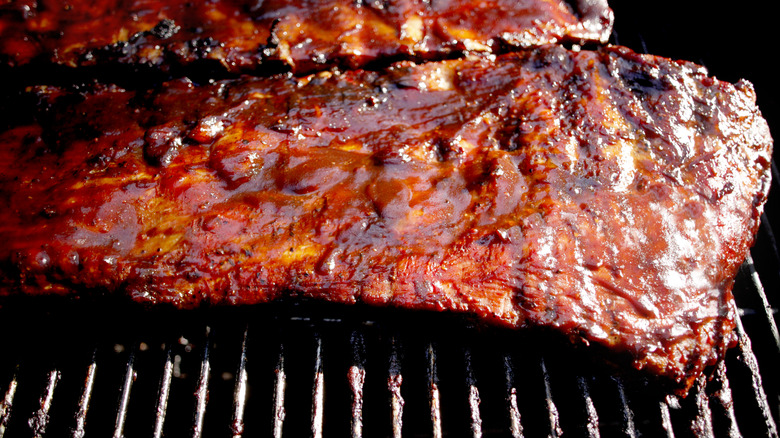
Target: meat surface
304	35
605	195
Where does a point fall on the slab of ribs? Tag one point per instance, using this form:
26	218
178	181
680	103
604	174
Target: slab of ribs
602	194
302	34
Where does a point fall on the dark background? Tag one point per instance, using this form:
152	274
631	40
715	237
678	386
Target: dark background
734	40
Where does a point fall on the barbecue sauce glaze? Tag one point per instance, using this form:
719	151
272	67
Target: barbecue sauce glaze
603	194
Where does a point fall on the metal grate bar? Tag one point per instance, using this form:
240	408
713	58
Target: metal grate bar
240	392
163	393
471	381
40	419
357	378
552	410
515	426
394	381
590	409
124	395
7	405
702	422
433	390
202	393
764	301
629	429
280	383
724	398
749	359
666	417
81	415
318	391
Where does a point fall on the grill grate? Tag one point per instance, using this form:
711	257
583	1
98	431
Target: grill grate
239	396
549	399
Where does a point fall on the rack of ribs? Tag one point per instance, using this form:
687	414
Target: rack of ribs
301	35
605	195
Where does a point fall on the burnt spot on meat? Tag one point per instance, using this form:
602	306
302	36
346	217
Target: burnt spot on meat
447	149
165	29
162	143
646	83
512	136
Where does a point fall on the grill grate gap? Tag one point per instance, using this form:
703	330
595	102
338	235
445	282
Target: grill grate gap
766	225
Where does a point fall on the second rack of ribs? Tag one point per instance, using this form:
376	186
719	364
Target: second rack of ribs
304	36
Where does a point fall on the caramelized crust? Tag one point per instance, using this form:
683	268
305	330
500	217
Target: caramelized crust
304	35
605	195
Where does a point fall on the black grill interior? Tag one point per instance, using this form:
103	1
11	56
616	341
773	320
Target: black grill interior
102	370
